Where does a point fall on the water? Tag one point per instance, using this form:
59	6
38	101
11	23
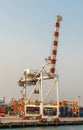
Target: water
78	127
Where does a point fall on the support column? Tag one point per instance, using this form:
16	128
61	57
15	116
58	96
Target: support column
57	85
41	95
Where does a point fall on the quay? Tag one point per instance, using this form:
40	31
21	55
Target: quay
16	122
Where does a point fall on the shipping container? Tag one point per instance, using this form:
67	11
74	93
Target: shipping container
80	114
3	109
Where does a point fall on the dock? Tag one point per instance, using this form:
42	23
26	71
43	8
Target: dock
16	122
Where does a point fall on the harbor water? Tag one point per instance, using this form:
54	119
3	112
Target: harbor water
70	127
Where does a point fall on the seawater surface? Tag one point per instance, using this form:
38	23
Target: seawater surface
70	127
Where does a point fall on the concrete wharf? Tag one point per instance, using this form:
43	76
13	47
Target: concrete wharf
12	121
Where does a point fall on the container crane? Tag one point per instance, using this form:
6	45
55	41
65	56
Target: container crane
35	78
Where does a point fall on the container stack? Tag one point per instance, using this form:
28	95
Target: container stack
3	108
69	109
81	111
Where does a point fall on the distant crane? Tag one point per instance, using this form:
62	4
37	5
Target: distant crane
36	78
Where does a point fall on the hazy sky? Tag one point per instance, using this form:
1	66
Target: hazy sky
26	35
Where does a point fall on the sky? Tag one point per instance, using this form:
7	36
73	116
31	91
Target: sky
26	36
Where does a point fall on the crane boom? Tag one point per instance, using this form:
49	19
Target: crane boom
30	77
54	45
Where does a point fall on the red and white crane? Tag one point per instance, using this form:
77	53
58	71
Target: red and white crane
35	78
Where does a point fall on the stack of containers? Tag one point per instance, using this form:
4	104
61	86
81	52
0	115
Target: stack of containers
75	109
3	108
68	109
81	111
65	111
